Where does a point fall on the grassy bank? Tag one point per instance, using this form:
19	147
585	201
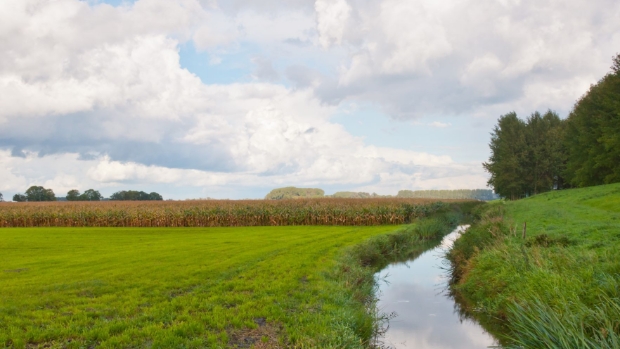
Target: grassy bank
560	286
267	287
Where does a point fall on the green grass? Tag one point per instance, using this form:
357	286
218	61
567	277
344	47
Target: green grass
134	287
558	288
267	287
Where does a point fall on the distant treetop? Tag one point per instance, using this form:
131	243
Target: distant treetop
135	196
38	193
357	195
476	194
88	195
294	193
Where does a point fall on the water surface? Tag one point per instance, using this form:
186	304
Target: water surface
426	316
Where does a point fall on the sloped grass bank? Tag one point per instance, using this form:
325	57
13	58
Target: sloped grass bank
262	287
557	288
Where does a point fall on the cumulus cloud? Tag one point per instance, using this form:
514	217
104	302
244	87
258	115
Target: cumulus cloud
101	89
120	109
332	19
463	57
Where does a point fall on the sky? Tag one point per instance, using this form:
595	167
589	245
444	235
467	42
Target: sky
230	99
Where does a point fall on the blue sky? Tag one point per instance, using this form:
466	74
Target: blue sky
206	98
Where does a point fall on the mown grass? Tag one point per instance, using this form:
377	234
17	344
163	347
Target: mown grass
558	288
267	287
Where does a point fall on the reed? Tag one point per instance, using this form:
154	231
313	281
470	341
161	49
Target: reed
537	325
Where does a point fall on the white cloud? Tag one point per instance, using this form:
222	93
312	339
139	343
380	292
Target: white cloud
332	16
101	90
460	57
123	111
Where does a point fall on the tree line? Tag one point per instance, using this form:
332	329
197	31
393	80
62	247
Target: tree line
305	193
545	152
38	193
476	194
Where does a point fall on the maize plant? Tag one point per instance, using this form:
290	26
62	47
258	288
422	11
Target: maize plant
217	213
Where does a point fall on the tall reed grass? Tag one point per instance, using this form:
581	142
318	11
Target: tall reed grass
537	325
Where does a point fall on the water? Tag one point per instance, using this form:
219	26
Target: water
426	316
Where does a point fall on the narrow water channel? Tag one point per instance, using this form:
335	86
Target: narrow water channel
426	317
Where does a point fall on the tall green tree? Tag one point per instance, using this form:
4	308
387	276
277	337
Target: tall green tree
38	193
593	133
508	152
543	163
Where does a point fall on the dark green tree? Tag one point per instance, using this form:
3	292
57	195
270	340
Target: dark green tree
38	193
19	198
508	152
155	196
73	195
543	164
135	195
592	135
91	195
1	197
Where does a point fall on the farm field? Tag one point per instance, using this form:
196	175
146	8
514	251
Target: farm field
218	213
560	286
266	287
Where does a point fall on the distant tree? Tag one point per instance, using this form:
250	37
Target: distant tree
155	196
73	195
1	197
476	194
592	135
38	193
91	195
20	198
135	195
351	195
295	193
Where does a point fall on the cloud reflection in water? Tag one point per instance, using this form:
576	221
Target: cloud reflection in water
426	316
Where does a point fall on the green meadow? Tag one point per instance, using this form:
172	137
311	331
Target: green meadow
260	287
559	287
135	287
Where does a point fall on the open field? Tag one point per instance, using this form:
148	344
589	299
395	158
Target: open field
559	287
165	287
262	287
217	213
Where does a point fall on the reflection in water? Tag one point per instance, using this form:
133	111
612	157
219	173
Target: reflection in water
426	315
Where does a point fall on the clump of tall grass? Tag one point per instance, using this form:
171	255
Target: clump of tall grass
489	227
555	285
537	325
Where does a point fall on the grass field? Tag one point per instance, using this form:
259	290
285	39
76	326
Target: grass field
265	287
218	213
560	286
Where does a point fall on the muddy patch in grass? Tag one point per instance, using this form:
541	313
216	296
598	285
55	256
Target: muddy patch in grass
264	336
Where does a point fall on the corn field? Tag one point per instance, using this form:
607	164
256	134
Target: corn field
216	213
